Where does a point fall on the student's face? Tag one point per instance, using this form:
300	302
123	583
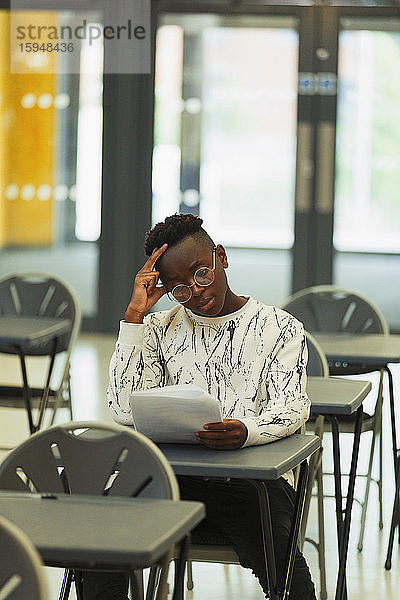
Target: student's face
178	265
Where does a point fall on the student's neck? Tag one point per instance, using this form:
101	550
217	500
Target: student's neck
232	303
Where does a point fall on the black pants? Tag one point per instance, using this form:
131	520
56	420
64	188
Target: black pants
232	512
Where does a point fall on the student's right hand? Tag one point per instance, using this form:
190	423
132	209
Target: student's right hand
145	293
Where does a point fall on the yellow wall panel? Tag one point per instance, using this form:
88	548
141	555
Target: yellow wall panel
30	150
4	61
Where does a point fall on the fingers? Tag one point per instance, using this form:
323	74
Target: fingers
219	434
225	425
219	441
147	279
151	261
226	435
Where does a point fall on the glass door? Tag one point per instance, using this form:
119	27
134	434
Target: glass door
367	202
225	138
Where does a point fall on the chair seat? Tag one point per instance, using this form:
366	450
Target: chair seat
209	545
346	422
12	397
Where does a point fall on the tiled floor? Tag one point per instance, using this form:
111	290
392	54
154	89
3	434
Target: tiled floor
366	576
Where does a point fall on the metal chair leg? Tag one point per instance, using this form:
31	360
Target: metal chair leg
66	585
376	433
78	584
316	475
69	392
364	503
136	584
380	477
189	575
321	533
152	582
313	466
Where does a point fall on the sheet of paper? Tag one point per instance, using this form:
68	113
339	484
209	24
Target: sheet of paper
173	413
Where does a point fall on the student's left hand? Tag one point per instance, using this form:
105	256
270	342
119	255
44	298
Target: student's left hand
229	434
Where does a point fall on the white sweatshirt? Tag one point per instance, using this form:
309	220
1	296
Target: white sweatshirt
252	360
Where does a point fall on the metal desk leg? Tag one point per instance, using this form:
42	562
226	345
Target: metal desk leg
337	479
395	518
295	528
392	416
343	524
268	540
180	569
26	390
280	590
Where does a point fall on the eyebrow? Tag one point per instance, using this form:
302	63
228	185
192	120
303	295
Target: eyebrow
197	263
194	265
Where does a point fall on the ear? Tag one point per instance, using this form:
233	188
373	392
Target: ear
221	254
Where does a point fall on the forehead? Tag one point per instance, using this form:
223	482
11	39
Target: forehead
181	259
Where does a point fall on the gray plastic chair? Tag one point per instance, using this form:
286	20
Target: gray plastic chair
21	568
91	458
45	295
331	309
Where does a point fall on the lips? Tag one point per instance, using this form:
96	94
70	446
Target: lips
206	304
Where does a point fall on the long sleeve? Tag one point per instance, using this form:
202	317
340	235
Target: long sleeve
136	364
285	407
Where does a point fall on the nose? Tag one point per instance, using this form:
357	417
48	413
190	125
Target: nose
197	289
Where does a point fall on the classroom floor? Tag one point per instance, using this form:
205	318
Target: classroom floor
366	576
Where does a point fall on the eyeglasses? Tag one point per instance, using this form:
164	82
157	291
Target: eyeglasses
203	276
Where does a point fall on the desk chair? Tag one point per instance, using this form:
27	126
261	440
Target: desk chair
44	295
210	546
21	568
91	458
330	309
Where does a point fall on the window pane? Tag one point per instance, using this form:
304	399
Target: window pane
367	207
225	126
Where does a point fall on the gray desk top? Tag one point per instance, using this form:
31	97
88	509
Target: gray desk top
377	349
29	331
269	461
334	395
84	531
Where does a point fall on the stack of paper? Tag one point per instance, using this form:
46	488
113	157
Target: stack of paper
173	413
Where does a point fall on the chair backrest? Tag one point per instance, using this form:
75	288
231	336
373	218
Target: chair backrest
317	365
21	574
331	309
44	295
89	458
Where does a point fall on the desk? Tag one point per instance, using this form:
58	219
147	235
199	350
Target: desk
69	531
24	336
378	351
332	396
255	464
374	350
368	348
336	396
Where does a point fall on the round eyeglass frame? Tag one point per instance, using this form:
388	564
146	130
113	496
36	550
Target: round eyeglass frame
195	282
